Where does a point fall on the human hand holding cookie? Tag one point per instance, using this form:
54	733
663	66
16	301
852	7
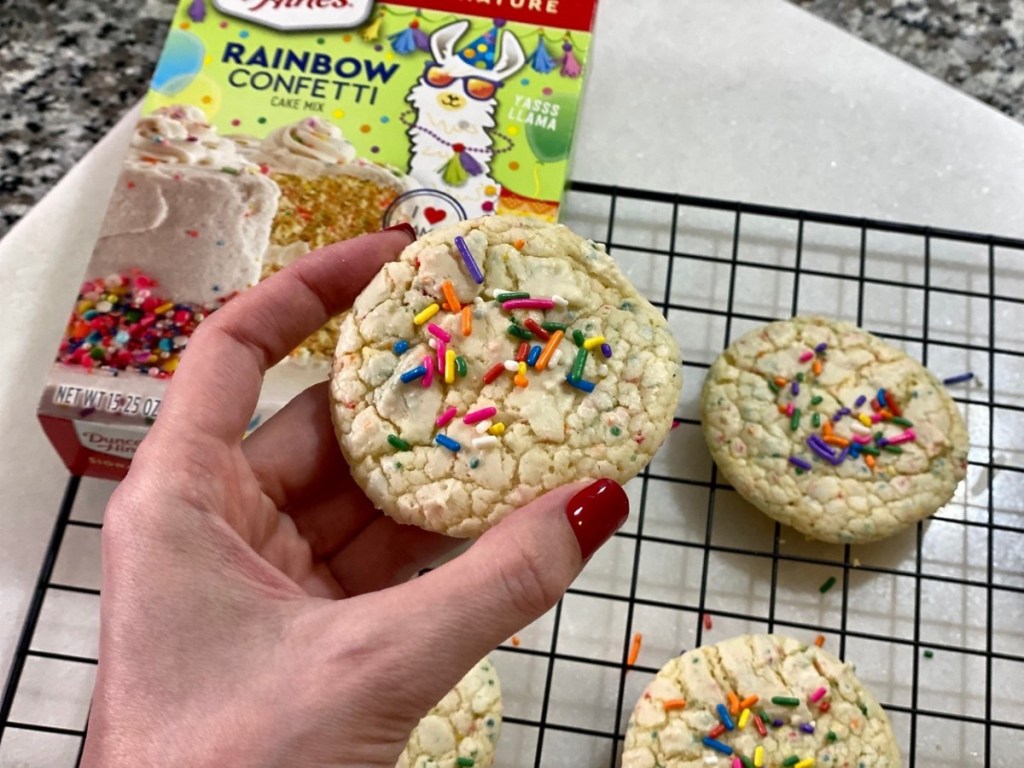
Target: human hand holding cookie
256	608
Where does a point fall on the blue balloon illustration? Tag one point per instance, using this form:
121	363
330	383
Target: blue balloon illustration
179	63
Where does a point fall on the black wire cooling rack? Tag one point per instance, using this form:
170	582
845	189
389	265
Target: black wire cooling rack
933	618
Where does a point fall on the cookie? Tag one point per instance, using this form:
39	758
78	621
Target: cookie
495	360
764	699
827	428
463	729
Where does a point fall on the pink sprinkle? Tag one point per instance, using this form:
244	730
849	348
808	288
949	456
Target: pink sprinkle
483	413
906	437
439	332
817	695
445	417
707	621
441	349
428	377
529	304
789	409
806	356
862	439
736	763
875	418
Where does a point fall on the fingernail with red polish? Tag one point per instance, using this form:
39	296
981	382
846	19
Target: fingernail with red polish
403	227
595	513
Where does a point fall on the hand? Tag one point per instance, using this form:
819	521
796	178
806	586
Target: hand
256	609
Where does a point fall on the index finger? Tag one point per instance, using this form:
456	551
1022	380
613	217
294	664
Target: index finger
217	385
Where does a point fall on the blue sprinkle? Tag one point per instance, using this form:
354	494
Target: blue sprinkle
413	374
89	314
581	384
400	346
94	337
716	745
534	354
447	442
881	398
958	379
166	345
122	337
723	715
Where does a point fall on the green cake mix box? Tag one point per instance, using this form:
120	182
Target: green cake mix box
273	127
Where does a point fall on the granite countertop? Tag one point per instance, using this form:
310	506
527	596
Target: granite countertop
68	71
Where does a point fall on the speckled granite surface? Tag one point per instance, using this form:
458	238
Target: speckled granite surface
69	69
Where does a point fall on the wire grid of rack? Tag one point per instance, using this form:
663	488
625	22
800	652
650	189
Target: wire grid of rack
933	618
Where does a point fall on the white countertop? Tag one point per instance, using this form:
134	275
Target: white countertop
754	101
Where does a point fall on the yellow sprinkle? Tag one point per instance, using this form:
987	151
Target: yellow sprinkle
163	308
805	763
758	757
596	341
520	379
522	369
496	429
864	419
171	365
744	718
449	366
427	313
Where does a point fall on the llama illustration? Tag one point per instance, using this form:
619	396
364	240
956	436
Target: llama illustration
454	102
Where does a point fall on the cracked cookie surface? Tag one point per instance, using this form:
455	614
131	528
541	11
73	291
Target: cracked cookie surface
463	729
801	702
539	436
791	413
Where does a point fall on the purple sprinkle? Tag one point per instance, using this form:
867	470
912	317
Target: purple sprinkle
842	456
821	347
882	442
806	727
860	401
822	450
467	257
840	413
796	387
606	350
776	723
803	464
958	379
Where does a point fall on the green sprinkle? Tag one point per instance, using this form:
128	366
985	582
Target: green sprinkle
794	420
547	325
232	171
764	717
773	386
816	399
786	701
902	422
577	336
791	760
460	366
816	420
468	761
616	431
399	443
503	297
893	449
879	435
520	332
870	450
747	762
831	736
578	364
829	583
474	463
928	654
800	377
863	709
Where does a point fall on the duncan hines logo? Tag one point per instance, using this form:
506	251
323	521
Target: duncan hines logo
112	441
299	14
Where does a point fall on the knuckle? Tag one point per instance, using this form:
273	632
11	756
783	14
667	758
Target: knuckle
528	583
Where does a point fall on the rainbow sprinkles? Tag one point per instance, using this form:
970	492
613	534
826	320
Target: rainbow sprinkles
535	346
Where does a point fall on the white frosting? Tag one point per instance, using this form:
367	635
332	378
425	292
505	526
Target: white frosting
180	134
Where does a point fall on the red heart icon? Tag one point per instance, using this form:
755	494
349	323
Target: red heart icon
434	215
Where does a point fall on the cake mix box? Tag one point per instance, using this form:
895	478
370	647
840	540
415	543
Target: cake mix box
273	127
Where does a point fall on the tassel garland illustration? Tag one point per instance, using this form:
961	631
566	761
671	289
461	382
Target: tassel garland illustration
570	66
460	167
410	39
540	60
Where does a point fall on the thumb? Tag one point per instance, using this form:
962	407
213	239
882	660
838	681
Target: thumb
511	576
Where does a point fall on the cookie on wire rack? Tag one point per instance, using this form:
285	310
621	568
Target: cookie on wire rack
495	360
827	428
758	700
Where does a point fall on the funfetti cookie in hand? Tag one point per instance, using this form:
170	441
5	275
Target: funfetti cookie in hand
759	700
498	359
828	429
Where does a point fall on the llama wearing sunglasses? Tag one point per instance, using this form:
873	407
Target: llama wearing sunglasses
454	103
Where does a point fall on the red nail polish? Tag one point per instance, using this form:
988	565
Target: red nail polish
402	227
595	513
